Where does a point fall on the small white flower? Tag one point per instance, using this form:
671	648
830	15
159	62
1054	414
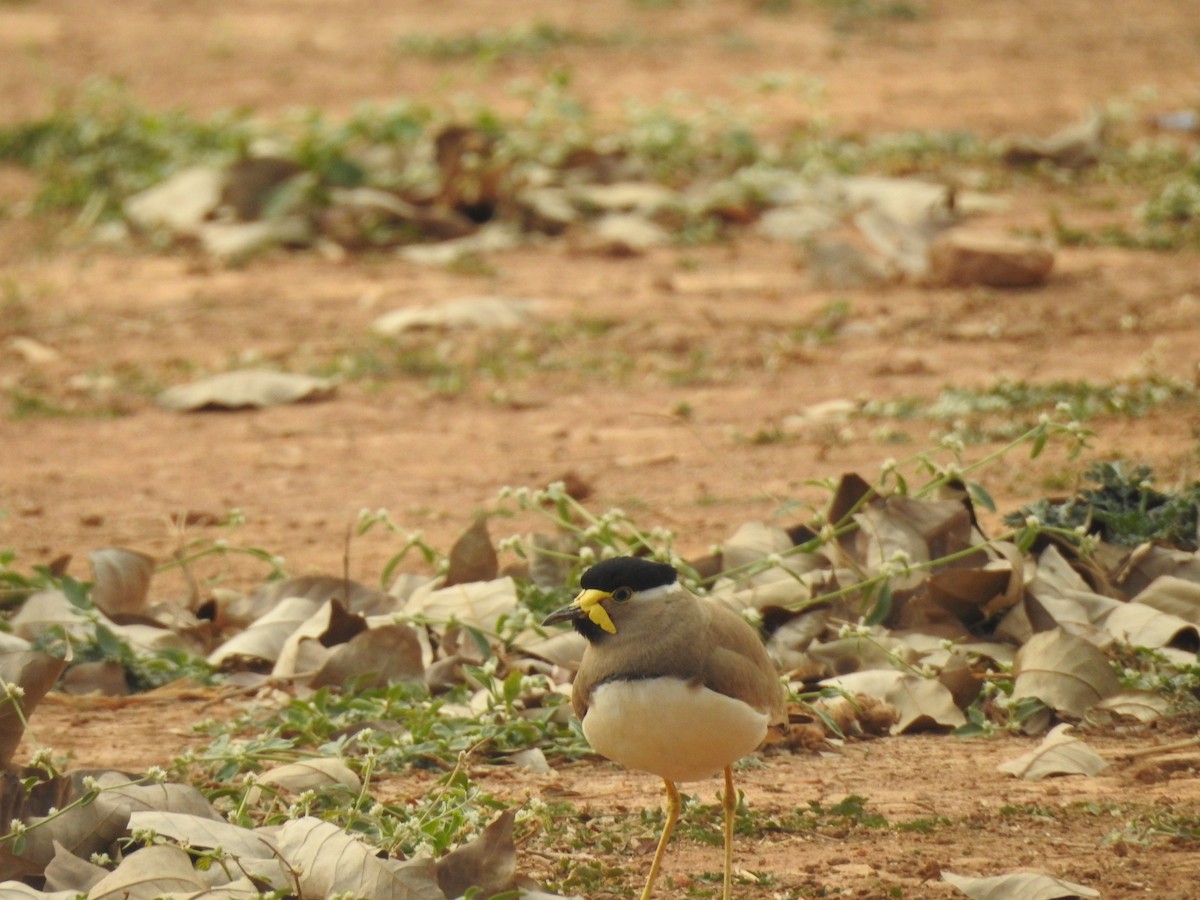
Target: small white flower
90	784
156	774
753	616
587	555
1032	521
15	691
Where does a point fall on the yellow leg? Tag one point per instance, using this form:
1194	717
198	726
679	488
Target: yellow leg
730	803
668	827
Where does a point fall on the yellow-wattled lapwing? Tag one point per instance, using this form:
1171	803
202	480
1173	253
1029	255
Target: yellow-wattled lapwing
669	683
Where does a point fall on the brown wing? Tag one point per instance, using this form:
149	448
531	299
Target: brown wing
738	665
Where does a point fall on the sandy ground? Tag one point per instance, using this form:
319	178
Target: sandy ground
696	329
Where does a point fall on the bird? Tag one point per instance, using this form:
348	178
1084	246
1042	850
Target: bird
669	683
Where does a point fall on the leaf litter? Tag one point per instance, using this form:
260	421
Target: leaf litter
929	658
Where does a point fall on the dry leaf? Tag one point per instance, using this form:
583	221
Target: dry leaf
472	558
265	636
380	655
970	594
1145	706
488	863
1140	625
34	673
106	678
82	830
328	861
479	604
1017	886
149	873
67	872
169	797
470	312
200	831
121	581
245	389
917	701
15	890
1064	671
312	773
1177	596
1059	753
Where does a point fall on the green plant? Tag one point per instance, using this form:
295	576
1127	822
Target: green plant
1124	508
100	147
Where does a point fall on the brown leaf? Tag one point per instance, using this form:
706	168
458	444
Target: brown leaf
968	592
121	581
34	673
104	677
67	872
1064	671
1017	886
1059	753
245	389
374	658
328	861
473	558
149	872
343	625
488	863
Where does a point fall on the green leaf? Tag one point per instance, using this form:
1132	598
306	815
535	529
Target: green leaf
78	593
882	607
980	497
1039	443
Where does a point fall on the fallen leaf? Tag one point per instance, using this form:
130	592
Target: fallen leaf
67	872
1145	706
472	558
502	313
479	604
1017	886
319	772
1066	672
1140	625
264	638
488	863
373	658
149	873
917	701
34	672
1177	596
328	861
1059	753
121	581
82	830
245	389
200	831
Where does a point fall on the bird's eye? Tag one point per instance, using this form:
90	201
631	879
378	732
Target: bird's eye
622	594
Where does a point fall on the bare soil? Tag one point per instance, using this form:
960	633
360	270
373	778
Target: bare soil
702	326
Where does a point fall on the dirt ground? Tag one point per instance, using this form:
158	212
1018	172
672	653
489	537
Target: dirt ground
300	474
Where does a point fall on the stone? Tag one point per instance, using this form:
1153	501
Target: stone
181	204
626	234
961	257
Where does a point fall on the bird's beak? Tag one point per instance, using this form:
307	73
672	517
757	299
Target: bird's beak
589	603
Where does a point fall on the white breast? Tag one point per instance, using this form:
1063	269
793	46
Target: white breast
678	731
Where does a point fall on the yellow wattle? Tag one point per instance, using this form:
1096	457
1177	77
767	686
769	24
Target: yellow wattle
591	602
